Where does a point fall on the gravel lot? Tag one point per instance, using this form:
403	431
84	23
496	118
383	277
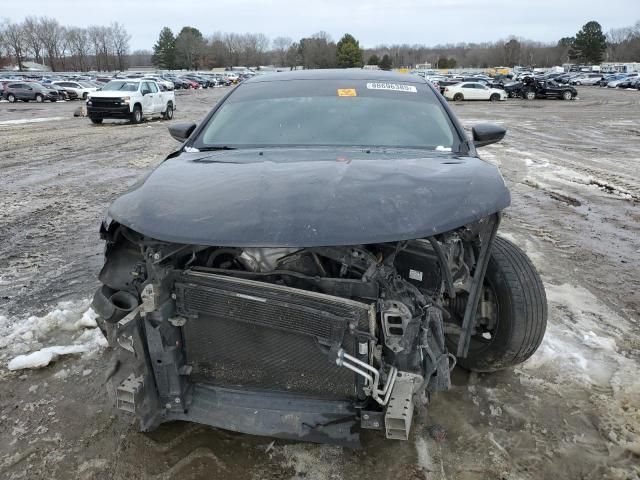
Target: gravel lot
572	411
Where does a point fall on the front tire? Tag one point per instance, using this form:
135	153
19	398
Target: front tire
136	115
494	97
168	113
39	98
513	285
566	95
96	121
458	97
530	95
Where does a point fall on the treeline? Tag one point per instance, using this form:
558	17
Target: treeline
106	48
191	50
64	48
590	46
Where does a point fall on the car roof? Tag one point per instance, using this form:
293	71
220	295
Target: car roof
337	74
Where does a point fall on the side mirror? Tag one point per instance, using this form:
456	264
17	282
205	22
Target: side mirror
181	131
487	133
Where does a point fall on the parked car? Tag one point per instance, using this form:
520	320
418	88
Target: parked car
202	82
610	78
27	91
190	83
586	79
81	89
617	81
167	84
473	91
631	82
221	80
261	280
548	89
63	93
134	99
178	84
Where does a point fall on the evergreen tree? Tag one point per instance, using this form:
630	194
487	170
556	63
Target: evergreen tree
164	51
190	48
373	60
348	52
385	63
590	43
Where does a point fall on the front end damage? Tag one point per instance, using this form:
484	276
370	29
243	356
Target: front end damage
310	343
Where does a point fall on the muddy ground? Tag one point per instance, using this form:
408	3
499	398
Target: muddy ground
572	411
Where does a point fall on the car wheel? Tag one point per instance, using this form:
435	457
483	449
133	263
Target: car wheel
530	95
136	115
577	83
566	95
11	97
494	97
95	120
514	309
39	98
168	114
458	97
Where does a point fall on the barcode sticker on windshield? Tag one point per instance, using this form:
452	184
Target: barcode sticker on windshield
396	87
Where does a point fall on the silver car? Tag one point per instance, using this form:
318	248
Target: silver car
586	79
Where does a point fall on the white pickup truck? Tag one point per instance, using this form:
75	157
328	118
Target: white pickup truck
130	98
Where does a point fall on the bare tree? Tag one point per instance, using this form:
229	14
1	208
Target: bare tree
120	39
34	43
281	46
51	34
78	44
15	40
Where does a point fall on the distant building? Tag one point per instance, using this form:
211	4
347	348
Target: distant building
423	66
620	67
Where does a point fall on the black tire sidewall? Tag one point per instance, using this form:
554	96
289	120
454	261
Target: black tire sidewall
168	115
136	115
522	311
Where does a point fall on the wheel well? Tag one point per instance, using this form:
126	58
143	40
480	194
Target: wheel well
137	104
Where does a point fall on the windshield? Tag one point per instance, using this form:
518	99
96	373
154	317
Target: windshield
331	113
121	85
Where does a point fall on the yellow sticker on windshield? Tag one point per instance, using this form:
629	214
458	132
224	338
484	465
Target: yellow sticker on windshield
347	92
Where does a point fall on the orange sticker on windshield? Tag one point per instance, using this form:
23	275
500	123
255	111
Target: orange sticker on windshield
347	92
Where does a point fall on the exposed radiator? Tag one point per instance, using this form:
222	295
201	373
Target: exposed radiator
254	334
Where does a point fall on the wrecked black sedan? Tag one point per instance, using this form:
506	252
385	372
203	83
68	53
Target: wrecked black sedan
314	260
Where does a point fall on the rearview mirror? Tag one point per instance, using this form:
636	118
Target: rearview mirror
487	133
181	131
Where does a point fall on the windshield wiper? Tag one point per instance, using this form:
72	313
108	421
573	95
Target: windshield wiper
214	148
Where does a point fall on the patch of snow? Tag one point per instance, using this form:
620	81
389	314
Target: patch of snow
580	346
424	458
44	357
22	121
69	328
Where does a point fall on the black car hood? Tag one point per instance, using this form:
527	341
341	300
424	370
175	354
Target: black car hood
310	197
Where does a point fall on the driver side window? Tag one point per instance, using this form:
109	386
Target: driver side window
145	89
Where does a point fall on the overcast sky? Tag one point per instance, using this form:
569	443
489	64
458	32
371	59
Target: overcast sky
372	22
